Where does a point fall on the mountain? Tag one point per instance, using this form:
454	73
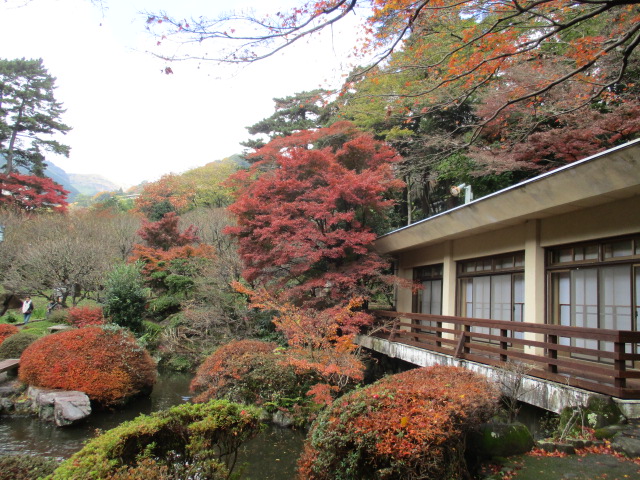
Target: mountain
61	177
79	183
90	184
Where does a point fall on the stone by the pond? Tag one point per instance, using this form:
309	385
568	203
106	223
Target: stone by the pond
628	440
502	439
282	419
61	407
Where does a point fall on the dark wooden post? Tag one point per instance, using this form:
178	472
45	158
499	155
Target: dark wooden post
552	353
619	365
504	345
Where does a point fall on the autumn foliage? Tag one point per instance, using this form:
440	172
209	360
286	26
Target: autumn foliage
410	426
165	243
85	316
6	331
30	193
106	363
253	372
305	215
320	341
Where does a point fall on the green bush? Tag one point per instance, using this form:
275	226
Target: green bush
25	467
12	317
164	306
59	316
13	346
187	441
125	296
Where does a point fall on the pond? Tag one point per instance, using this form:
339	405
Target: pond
270	456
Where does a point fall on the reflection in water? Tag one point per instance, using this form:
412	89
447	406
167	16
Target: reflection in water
26	434
271	456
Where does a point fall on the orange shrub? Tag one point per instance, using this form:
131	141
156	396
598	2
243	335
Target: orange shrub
249	371
226	364
85	316
6	331
410	426
106	363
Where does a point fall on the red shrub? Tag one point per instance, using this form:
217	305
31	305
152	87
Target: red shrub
227	363
408	426
251	372
6	331
85	316
106	363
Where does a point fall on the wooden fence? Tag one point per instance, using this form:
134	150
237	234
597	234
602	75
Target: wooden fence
603	361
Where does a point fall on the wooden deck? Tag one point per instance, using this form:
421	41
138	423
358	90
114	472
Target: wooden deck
9	365
598	360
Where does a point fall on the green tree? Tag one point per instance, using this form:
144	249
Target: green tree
302	111
29	115
126	297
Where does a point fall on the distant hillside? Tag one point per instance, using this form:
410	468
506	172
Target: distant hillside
90	184
61	177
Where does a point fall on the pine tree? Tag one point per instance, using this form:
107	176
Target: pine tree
29	115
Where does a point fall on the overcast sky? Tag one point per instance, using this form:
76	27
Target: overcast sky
130	121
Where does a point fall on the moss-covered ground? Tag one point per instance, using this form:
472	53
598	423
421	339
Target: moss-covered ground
590	466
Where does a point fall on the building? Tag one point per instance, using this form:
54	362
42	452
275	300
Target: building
545	273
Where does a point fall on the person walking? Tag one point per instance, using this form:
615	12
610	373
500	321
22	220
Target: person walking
27	310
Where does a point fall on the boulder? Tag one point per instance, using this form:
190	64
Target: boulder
628	440
59	406
501	440
282	419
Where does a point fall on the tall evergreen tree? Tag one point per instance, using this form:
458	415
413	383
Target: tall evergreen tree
29	115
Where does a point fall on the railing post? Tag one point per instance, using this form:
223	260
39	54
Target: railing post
439	334
552	353
504	345
619	365
461	349
394	328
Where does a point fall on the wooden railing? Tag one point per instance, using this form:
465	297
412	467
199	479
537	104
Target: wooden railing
603	361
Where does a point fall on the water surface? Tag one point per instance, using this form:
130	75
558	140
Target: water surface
270	456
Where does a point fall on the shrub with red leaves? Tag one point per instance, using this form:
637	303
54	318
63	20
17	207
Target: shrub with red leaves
250	371
85	316
106	363
6	331
410	426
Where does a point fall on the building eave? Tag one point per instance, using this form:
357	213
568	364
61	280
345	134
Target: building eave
602	178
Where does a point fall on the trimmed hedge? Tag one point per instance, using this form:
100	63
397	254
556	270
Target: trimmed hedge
187	441
104	362
249	371
6	331
13	346
409	426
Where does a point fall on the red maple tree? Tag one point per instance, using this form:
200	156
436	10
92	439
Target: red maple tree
165	233
165	242
305	215
30	193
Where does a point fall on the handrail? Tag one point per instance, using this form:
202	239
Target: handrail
610	366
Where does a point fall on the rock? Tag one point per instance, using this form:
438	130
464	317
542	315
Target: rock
627	445
71	409
601	411
59	406
628	440
282	419
11	389
608	432
566	448
502	440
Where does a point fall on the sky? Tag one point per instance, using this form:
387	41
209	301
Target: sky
130	121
